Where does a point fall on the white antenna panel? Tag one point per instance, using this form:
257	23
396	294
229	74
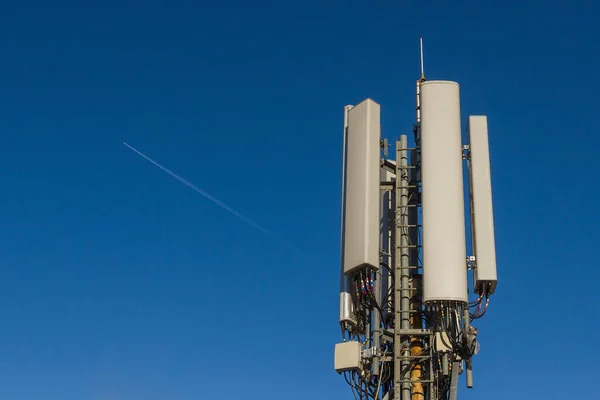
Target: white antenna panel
482	212
444	247
361	197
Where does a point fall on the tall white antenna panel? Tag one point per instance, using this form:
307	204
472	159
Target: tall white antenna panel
346	308
482	213
444	247
361	207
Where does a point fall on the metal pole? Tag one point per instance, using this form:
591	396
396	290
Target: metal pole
416	342
416	348
404	260
377	322
469	361
397	279
402	388
454	380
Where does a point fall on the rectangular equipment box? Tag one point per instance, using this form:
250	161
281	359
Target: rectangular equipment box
347	357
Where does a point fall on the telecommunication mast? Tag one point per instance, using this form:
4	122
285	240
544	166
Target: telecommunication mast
405	312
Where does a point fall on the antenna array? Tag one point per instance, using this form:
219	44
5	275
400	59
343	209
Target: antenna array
405	313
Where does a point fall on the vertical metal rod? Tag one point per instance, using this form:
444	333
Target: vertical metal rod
404	260
397	280
422	64
402	390
469	361
469	377
432	387
376	323
466	316
416	342
454	380
416	347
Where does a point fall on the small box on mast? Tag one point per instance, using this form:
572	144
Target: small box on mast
347	357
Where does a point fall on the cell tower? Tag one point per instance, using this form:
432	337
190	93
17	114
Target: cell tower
405	311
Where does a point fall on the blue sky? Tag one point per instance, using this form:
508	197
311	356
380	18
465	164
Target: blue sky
119	282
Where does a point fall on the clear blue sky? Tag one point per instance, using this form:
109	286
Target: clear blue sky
118	282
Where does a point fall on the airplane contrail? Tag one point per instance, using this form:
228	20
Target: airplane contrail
207	195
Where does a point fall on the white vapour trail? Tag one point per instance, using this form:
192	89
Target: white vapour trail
205	194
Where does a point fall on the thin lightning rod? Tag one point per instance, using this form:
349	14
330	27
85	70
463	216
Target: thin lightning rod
422	63
207	195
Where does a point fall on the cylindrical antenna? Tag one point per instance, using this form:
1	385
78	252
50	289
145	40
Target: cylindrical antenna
422	64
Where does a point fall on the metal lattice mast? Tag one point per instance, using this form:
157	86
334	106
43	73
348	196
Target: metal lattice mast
402	298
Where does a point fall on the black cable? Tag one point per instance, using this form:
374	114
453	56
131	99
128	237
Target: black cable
351	385
388	268
482	313
376	306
